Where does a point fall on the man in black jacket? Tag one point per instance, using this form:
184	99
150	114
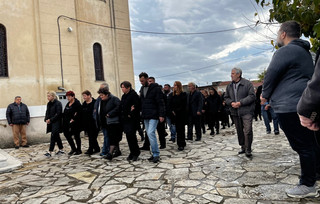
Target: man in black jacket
194	106
240	97
287	75
18	118
152	112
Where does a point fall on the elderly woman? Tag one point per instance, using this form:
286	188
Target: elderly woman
72	123
109	119
130	117
53	120
88	122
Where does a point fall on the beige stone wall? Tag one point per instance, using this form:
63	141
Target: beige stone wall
34	56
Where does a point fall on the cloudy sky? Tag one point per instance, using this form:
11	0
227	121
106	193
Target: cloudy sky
199	58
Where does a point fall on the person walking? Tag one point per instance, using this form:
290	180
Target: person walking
167	91
53	118
88	122
18	118
130	118
110	120
177	104
152	112
287	76
240	97
72	123
214	108
194	108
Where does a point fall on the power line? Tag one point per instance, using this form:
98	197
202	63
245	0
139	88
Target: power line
156	33
210	66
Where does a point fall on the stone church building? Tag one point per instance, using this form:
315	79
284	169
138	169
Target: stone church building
60	45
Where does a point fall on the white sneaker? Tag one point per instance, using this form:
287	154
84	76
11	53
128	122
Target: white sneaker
302	191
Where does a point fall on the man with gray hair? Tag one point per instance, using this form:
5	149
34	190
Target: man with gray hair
18	118
194	107
240	97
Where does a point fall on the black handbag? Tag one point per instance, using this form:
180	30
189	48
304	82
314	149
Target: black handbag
113	120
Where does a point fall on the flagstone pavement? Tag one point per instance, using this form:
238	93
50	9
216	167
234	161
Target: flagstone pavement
207	171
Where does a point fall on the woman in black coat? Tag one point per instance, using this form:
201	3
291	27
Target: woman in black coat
130	118
214	108
178	108
72	123
53	120
88	122
110	121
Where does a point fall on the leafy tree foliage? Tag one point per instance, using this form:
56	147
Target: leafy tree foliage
261	75
306	12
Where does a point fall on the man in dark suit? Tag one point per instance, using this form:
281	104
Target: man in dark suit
194	106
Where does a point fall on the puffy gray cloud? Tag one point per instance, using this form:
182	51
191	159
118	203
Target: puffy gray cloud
183	57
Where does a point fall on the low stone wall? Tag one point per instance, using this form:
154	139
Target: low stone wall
36	133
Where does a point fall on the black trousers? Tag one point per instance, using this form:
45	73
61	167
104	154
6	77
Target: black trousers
213	122
130	131
114	134
55	138
244	131
68	135
196	121
93	142
302	140
181	133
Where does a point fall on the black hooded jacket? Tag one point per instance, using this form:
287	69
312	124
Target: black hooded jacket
152	104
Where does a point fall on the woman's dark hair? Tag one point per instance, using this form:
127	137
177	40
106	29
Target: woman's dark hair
104	91
126	84
70	93
86	92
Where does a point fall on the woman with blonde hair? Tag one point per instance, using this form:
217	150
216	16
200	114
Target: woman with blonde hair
53	119
177	104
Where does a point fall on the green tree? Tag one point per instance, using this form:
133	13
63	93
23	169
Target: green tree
261	75
306	12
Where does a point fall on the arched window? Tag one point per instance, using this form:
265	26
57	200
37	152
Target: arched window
3	52
98	63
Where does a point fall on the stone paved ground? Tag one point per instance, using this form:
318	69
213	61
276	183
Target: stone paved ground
209	171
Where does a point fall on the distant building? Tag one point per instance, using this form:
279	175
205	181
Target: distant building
36	56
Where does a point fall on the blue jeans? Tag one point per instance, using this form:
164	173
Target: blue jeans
106	144
172	128
266	119
151	126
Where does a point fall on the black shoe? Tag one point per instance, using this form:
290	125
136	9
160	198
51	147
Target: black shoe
135	158
198	139
211	133
109	156
242	151
78	152
162	147
16	147
204	131
145	148
208	129
268	132
156	159
151	158
89	152
117	153
47	154
26	146
217	133
96	151
224	127
181	148
173	140
248	154
165	134
130	157
170	139
71	152
189	138
276	133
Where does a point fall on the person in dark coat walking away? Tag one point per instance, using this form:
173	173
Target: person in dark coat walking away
194	108
72	123
88	122
240	97
178	108
130	118
18	118
110	120
53	118
152	112
204	115
287	76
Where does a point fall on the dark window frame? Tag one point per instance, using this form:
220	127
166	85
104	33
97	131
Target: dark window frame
4	71
98	62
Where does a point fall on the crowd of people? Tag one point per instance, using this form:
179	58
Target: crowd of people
286	98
